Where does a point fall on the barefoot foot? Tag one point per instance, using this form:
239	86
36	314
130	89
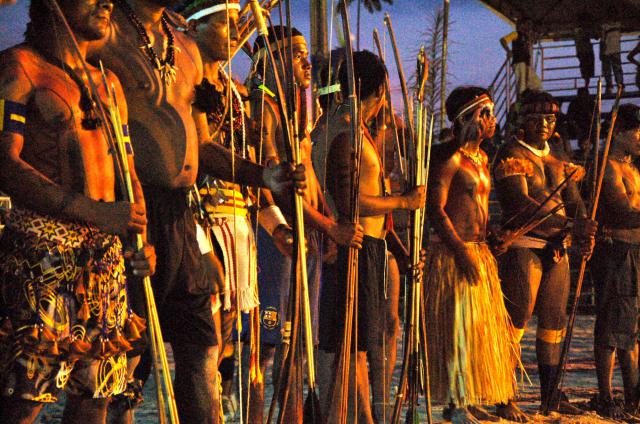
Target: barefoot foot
510	411
463	416
482	414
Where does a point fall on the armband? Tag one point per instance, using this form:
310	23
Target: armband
510	167
323	91
270	218
578	171
127	139
12	116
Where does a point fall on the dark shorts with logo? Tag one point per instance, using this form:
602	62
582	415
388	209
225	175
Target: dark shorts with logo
616	272
274	280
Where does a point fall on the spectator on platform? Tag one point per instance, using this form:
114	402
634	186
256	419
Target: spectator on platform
584	51
610	50
522	40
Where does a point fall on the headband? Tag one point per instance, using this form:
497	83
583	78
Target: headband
476	102
213	9
539	107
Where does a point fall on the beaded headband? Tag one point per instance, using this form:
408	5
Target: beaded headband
539	107
472	105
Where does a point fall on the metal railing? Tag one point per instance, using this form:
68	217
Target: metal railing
560	67
504	91
559	70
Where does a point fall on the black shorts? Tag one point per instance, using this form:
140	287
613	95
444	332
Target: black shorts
180	284
372	260
616	271
520	269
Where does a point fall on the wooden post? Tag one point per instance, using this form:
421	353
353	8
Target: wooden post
319	46
443	68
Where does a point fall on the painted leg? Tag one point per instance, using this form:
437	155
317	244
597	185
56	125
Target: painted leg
121	407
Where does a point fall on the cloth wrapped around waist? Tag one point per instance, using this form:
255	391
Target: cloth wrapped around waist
223	201
52	230
531	242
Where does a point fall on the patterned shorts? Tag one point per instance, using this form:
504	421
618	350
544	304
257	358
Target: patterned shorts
63	309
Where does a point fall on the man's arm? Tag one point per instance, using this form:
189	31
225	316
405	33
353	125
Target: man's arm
339	160
439	185
573	200
31	188
509	38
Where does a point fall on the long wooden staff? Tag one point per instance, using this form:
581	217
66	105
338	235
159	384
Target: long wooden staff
340	395
534	213
157	343
411	378
394	127
408	110
554	391
111	135
248	27
596	141
299	277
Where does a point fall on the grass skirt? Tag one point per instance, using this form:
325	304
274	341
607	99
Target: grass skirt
472	354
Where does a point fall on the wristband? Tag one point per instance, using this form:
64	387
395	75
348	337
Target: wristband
270	218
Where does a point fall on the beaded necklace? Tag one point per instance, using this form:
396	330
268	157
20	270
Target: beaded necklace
476	158
165	66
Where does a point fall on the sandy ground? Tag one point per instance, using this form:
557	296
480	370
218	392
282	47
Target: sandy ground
579	382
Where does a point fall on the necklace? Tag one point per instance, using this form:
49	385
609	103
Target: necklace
540	153
476	158
166	66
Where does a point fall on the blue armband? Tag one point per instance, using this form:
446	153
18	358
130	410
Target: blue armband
12	116
127	139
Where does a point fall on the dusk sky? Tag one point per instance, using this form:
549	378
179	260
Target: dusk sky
474	51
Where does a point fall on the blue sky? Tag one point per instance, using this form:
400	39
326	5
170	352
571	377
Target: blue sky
474	51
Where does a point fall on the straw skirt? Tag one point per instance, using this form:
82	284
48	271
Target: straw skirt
472	354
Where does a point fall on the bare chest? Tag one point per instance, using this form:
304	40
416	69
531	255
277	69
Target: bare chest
548	173
631	181
472	180
370	170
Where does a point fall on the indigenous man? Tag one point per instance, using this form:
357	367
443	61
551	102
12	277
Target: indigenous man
615	267
63	295
375	207
171	143
275	277
535	269
465	313
228	204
